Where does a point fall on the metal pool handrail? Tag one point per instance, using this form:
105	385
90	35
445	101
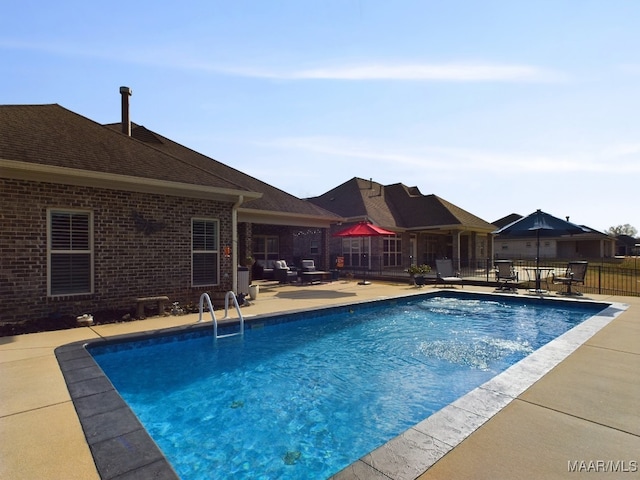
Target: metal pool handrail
230	294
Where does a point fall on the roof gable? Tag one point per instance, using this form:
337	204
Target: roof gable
509	219
396	206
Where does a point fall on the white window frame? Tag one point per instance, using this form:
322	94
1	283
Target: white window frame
213	249
51	251
355	251
392	251
314	247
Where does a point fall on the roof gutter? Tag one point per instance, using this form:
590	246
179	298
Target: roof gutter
71	176
254	215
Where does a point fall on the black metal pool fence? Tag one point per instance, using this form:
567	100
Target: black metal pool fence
604	277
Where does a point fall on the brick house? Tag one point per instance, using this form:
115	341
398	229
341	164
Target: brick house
93	216
427	227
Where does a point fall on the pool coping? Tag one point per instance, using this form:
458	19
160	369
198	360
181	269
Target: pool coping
122	448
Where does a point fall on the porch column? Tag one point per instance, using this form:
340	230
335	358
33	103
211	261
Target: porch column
473	257
324	249
405	241
244	242
456	247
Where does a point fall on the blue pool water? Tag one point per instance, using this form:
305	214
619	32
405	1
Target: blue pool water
304	399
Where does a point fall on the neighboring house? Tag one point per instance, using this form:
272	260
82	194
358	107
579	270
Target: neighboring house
94	216
593	244
427	227
626	245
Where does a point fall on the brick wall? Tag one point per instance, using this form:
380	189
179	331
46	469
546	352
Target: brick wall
142	247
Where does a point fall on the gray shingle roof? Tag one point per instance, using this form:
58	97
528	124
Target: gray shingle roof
504	221
397	206
273	199
55	136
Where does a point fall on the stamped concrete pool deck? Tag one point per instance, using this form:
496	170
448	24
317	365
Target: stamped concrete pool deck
570	411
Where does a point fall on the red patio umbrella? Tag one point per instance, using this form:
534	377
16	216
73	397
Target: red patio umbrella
362	230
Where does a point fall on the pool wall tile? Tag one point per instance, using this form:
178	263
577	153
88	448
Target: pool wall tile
359	470
483	402
113	423
120	455
406	456
514	380
451	425
159	470
85	373
90	386
97	404
78	362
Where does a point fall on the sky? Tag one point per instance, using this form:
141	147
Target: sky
498	106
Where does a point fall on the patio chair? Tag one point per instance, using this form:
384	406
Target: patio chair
506	276
310	274
575	274
283	273
445	273
308	266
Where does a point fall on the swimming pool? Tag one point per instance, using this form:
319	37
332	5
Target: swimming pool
291	414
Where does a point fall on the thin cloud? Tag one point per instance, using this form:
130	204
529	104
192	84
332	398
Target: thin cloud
459	72
456	72
452	158
176	58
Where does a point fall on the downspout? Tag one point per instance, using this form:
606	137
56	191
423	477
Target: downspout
234	243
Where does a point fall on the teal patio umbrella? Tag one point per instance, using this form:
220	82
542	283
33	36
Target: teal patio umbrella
540	224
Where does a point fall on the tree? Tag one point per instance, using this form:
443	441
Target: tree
625	229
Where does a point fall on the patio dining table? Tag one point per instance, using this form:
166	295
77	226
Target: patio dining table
535	274
313	276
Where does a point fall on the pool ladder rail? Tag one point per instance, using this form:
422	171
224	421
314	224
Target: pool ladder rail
230	294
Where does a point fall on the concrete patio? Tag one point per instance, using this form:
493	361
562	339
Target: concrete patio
578	420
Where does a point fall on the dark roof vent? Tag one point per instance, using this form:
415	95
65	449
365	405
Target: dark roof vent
126	120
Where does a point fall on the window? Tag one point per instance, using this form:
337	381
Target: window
70	245
392	252
205	257
266	247
353	250
314	248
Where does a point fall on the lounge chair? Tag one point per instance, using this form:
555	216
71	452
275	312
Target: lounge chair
283	273
310	274
575	273
445	273
263	270
308	266
506	276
